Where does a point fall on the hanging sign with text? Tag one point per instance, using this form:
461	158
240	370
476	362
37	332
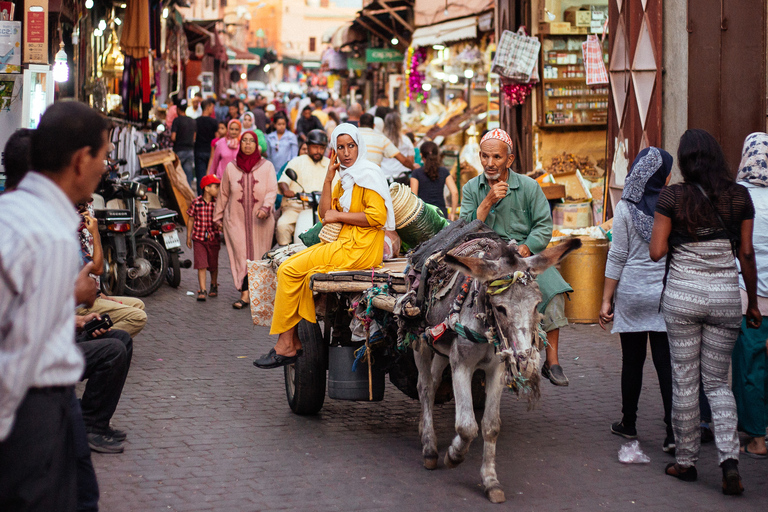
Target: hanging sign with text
36	32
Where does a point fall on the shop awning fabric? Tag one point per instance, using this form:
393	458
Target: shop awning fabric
236	57
446	32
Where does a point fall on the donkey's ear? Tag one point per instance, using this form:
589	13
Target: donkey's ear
478	268
552	256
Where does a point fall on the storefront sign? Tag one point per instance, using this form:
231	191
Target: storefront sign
355	63
382	55
36	32
10	47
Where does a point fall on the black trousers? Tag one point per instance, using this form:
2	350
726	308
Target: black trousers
634	350
87	486
107	361
38	460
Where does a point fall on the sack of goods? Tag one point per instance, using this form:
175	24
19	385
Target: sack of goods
416	221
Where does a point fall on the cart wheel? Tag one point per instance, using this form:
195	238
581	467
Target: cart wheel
305	379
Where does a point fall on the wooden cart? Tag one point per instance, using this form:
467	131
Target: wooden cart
305	381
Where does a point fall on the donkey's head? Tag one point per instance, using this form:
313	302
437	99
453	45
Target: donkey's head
512	296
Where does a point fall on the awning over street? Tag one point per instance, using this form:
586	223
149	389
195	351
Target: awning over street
236	57
449	31
344	35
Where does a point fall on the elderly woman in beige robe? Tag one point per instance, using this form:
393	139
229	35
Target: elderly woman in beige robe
245	210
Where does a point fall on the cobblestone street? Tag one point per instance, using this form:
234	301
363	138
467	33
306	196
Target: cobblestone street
208	431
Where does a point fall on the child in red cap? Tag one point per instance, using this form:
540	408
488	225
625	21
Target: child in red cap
203	235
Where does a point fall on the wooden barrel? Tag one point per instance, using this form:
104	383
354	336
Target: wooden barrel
584	270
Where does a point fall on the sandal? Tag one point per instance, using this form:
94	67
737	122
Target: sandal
214	291
239	304
201	295
754	455
685	474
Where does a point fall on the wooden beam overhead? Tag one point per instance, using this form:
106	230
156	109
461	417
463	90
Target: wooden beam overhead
392	12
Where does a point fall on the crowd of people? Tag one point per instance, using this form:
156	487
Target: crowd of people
701	308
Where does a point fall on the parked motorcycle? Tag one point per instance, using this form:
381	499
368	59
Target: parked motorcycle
162	226
146	259
308	217
113	224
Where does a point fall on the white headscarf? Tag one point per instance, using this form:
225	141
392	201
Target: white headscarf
362	173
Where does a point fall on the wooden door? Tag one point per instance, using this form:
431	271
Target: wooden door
726	71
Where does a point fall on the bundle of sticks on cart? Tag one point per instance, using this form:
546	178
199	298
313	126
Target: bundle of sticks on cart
359	281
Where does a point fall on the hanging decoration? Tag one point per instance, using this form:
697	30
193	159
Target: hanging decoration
415	57
515	92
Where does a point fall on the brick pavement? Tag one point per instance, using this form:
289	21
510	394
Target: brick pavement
208	431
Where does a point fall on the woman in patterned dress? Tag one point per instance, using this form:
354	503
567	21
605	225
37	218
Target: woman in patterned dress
702	223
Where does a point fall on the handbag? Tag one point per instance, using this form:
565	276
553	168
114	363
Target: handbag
594	67
516	55
262	285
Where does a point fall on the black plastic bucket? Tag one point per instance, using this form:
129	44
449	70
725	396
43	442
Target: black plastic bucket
344	384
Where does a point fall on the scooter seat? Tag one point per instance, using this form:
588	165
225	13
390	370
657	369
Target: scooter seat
161	214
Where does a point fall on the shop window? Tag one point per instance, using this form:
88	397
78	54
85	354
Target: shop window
312	41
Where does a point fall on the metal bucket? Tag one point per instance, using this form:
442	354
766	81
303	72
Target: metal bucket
584	270
344	384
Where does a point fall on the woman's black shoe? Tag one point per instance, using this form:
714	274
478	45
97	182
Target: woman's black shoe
274	360
731	478
622	430
685	474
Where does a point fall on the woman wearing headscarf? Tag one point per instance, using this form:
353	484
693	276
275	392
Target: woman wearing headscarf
249	125
361	203
750	364
632	290
226	149
244	209
702	223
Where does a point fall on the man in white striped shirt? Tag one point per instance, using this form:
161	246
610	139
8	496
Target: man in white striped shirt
40	284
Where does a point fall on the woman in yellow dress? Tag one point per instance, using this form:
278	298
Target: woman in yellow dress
360	201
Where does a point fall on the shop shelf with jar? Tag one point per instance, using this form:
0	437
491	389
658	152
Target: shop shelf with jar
565	99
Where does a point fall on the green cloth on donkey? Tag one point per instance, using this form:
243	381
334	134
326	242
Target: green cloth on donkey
522	215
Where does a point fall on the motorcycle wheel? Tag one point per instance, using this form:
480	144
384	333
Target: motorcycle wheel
113	278
155	254
173	275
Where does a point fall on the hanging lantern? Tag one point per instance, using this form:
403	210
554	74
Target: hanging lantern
60	67
113	60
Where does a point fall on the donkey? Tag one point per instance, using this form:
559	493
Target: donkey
501	302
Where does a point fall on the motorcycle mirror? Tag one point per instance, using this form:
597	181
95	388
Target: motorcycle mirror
160	128
292	175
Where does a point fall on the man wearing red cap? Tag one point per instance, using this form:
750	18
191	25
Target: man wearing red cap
203	235
515	207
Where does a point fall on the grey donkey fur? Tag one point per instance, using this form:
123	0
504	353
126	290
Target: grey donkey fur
517	319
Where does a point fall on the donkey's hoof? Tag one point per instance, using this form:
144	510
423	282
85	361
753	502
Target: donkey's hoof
495	495
451	463
430	462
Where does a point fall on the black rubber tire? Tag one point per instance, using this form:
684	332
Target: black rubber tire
146	285
305	380
173	275
114	275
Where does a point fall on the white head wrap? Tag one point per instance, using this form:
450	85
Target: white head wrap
362	173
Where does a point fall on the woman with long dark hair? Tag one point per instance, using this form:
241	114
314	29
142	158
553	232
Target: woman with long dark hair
702	224
428	182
